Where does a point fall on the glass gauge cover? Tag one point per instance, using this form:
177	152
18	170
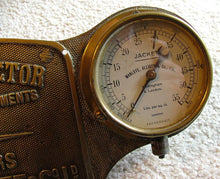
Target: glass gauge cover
149	73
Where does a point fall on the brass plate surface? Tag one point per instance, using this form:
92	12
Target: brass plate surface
38	136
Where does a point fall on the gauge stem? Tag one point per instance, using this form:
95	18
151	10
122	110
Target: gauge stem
160	146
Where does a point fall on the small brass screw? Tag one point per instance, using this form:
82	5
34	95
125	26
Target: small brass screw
99	116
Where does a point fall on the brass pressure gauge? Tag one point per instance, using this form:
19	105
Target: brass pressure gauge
146	72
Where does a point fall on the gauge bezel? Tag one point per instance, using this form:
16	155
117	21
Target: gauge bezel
88	67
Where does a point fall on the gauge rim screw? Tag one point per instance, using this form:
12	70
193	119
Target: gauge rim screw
99	116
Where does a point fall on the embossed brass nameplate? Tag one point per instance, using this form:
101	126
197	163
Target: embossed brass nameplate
39	137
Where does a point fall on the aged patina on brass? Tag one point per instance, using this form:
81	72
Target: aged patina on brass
51	123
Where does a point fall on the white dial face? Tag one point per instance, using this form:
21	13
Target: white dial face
150	74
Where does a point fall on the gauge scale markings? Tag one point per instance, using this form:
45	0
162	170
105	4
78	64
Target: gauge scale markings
115	49
147	72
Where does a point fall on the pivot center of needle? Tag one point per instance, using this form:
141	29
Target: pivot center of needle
151	75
